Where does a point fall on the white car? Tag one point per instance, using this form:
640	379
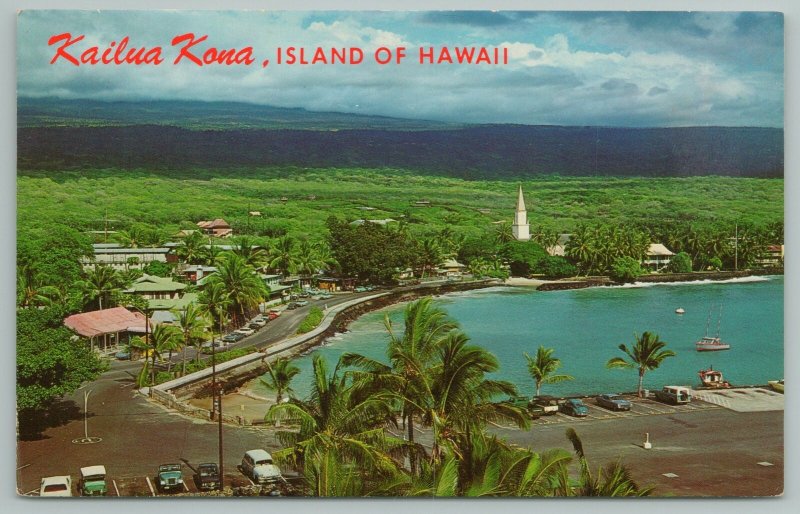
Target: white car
261	322
56	486
258	466
247	331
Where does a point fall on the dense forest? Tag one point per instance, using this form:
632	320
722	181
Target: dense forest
174	137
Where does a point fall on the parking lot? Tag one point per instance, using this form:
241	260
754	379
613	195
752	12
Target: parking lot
738	400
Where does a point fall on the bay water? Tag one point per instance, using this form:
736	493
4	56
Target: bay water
586	326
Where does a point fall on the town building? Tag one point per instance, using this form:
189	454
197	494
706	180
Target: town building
520	228
121	258
216	228
658	257
107	329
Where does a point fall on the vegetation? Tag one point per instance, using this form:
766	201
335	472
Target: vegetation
311	321
281	373
543	367
646	355
682	263
626	269
49	363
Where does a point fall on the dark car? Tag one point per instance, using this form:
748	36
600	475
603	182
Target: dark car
613	402
207	476
170	477
575	407
292	306
255	326
233	337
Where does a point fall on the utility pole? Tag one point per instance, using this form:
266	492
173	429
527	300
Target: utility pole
86	414
736	248
216	394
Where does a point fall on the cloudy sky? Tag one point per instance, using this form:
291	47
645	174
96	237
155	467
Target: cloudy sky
566	68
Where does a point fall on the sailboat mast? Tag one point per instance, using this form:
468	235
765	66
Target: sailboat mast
719	321
708	319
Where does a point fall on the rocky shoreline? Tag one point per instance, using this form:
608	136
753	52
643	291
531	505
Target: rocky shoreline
567	284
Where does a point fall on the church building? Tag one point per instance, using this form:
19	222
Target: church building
520	228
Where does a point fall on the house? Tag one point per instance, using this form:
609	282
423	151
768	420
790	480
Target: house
276	289
559	249
772	257
658	256
254	213
422	203
377	222
451	268
107	329
333	284
216	228
151	287
121	258
195	273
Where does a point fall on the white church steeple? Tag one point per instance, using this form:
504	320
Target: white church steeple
520	228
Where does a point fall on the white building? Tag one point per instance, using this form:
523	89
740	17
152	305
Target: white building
520	228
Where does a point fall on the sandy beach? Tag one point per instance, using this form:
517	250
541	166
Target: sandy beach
525	282
241	403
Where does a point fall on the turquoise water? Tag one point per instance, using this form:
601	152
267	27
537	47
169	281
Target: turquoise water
586	326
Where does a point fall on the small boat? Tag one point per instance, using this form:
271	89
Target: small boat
709	343
712	378
679	310
776	384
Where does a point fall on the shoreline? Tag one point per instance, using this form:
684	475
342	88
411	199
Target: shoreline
655	278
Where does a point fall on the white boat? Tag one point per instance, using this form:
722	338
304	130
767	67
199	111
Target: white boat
679	310
709	343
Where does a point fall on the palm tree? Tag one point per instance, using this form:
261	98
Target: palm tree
214	302
503	234
31	292
337	417
430	255
253	255
100	283
411	356
280	377
165	339
614	480
191	249
282	256
542	368
646	355
307	259
462	398
192	326
244	287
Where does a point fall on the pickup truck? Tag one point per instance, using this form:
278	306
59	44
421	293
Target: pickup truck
170	477
676	395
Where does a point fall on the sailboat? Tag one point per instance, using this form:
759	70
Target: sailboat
709	343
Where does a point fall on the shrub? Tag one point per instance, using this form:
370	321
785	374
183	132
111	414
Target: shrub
626	269
681	263
715	263
312	320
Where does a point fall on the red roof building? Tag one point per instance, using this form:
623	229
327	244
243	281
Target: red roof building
104	327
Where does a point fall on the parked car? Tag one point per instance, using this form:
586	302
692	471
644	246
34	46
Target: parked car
255	327
258	466
292	306
676	395
272	314
207	476
360	289
524	403
259	322
246	331
301	303
170	477
123	355
548	404
233	337
216	345
325	296
304	294
56	486
575	407
93	481
613	402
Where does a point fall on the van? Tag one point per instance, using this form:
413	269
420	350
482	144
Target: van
676	395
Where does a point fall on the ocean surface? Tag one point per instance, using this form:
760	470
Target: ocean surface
586	327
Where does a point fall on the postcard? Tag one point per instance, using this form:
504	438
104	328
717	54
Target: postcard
400	254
